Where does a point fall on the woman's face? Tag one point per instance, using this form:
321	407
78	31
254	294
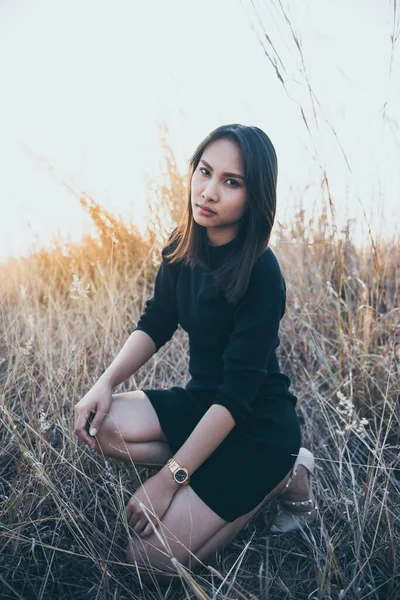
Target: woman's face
218	183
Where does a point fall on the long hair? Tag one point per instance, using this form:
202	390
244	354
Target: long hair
189	242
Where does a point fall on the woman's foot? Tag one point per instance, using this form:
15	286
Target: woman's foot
298	505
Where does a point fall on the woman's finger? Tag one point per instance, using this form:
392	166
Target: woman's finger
147	530
133	521
81	420
136	519
131	514
140	525
97	421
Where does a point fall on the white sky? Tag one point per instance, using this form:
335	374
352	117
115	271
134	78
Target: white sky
85	84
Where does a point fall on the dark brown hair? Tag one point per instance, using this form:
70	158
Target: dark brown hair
189	242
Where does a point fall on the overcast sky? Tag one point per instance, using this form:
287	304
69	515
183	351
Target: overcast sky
85	85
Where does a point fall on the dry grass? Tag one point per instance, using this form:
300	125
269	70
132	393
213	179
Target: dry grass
65	314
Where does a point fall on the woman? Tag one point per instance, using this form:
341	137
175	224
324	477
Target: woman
228	441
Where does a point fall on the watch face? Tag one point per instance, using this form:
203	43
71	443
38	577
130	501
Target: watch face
180	476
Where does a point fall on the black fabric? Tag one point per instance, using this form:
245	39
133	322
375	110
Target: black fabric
233	363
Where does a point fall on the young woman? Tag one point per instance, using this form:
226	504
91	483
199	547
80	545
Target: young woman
230	439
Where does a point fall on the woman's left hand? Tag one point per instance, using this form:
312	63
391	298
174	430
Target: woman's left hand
156	495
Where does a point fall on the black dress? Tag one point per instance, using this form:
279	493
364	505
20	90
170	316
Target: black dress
233	363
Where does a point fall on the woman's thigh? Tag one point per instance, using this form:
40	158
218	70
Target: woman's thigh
131	418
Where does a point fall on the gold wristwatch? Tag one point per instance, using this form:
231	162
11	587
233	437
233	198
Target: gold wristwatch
180	474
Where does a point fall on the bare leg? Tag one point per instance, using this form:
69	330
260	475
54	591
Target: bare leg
131	431
204	533
149	454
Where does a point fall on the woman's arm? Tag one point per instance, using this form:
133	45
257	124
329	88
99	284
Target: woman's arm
208	434
254	337
138	348
160	318
136	351
159	490
155	327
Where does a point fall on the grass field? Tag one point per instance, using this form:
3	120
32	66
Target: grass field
66	312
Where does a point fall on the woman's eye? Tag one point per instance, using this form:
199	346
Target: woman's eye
235	183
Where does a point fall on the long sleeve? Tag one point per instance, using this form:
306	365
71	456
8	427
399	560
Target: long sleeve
253	338
160	317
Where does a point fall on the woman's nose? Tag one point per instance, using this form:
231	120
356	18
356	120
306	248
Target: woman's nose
210	191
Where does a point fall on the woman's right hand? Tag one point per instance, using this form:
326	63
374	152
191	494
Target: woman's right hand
97	400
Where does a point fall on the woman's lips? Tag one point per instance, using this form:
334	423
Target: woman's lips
205	211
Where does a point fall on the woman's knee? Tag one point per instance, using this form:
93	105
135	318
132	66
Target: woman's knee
109	426
131	417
